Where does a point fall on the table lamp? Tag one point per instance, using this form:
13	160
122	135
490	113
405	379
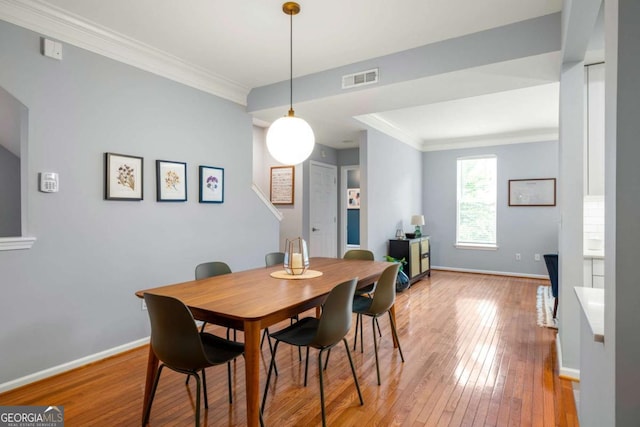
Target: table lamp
417	220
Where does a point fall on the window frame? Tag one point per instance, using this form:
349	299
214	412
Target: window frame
469	244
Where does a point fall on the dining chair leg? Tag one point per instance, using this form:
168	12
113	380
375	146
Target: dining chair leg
375	346
555	308
306	367
361	335
204	388
229	381
395	333
324	421
266	334
266	385
197	399
355	337
378	325
326	360
353	370
147	411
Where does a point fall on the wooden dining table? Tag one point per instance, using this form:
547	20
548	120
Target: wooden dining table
252	300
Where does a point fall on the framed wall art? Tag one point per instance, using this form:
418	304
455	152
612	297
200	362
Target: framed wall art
532	192
211	184
353	198
282	185
171	181
122	177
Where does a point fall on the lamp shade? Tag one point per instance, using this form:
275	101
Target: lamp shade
417	220
290	140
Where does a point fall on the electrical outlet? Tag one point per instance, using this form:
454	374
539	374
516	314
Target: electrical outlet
536	257
518	257
144	305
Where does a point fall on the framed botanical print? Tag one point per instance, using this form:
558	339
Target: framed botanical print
211	184
171	181
123	177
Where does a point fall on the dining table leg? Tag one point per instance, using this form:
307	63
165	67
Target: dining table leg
252	371
152	367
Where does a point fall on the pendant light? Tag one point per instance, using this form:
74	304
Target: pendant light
290	139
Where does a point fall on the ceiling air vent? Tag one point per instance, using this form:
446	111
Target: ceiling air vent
360	79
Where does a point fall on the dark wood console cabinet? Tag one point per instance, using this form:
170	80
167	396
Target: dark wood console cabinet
416	252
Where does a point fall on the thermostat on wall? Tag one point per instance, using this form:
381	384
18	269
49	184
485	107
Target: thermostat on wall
49	182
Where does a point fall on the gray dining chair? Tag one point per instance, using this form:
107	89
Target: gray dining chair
321	333
361	254
211	269
176	342
381	303
274	258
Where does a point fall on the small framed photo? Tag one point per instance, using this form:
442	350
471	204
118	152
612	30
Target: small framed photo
122	177
171	181
282	185
532	192
211	184
353	198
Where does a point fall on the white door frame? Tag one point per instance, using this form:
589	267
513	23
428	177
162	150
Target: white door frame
344	170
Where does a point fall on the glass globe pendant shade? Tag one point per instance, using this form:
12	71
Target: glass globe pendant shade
290	140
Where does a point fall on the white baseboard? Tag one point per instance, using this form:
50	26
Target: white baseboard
55	370
567	373
495	273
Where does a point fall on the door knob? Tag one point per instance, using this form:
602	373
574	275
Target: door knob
315	229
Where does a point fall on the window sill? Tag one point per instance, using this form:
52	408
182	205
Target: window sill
476	246
15	243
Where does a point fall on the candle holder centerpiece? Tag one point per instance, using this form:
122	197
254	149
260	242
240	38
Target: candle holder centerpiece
296	256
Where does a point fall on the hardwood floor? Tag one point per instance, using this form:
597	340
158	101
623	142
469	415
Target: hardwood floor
474	357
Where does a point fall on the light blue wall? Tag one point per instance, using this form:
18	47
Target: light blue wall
72	294
524	230
391	189
10	223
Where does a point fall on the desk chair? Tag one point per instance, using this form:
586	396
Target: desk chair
381	303
176	342
322	333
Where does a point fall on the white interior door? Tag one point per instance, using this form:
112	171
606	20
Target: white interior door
323	208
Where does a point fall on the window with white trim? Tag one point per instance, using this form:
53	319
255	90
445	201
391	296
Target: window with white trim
477	201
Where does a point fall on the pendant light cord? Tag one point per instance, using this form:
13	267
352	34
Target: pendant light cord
291	64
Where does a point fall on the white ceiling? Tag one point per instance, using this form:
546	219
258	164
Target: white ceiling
245	44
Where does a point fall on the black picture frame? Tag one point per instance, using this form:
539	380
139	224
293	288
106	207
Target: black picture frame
123	177
211	184
171	181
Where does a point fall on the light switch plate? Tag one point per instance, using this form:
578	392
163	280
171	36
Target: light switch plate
52	49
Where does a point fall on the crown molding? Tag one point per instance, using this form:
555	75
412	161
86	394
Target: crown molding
46	19
490	140
534	135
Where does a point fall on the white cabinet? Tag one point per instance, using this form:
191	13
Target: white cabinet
593	273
